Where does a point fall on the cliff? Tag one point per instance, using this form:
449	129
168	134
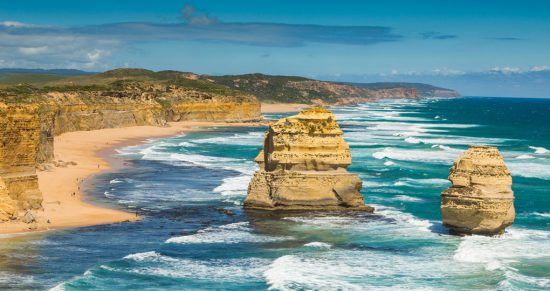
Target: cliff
19	136
267	88
480	200
303	166
30	117
288	89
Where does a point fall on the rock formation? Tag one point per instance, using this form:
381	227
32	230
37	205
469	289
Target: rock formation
303	166
480	200
30	117
19	137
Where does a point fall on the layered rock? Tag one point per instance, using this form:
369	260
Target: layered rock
480	200
303	166
30	118
19	138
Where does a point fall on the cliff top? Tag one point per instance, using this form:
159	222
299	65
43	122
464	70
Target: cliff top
267	88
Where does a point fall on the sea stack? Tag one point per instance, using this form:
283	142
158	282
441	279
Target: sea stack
480	200
303	166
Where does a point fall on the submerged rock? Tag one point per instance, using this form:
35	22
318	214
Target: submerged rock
480	200
303	166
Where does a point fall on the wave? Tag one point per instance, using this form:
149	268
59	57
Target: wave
413	140
253	138
215	270
444	156
404	220
539	150
502	251
541	214
116	181
524	157
148	256
407	198
238	232
455	140
535	169
410	182
234	186
319	245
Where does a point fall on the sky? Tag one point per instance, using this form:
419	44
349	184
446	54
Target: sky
493	48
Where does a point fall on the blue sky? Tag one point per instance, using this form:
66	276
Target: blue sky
480	47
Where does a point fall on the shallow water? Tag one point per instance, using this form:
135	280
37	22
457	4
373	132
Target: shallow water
401	149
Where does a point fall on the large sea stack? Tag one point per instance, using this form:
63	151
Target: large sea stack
480	200
303	166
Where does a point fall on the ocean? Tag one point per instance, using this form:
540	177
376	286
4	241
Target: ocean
402	150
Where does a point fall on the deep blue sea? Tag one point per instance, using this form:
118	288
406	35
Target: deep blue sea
402	150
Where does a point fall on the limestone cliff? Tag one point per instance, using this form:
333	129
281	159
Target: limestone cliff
303	166
19	138
30	117
480	200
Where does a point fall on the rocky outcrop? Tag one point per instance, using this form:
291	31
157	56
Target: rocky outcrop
480	200
303	166
19	138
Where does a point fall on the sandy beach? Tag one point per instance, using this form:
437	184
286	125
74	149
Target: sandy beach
64	204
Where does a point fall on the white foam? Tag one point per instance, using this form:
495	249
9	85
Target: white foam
218	270
444	156
539	169
389	163
146	256
116	181
228	234
539	150
413	140
498	252
407	198
410	182
541	214
249	138
319	245
402	217
234	186
524	157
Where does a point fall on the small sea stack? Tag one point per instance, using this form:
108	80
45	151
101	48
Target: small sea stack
303	166
481	200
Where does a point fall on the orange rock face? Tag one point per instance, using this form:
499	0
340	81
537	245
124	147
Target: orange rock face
303	166
480	200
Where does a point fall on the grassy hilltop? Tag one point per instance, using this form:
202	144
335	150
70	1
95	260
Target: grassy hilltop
267	88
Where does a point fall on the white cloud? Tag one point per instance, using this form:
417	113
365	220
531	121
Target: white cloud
539	68
448	72
33	50
95	56
12	24
505	70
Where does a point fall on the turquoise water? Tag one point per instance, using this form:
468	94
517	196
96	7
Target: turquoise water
401	149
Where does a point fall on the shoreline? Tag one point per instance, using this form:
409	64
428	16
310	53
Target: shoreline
65	202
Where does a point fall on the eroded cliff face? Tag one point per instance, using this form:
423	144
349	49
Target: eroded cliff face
19	138
480	200
134	104
303	166
28	124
